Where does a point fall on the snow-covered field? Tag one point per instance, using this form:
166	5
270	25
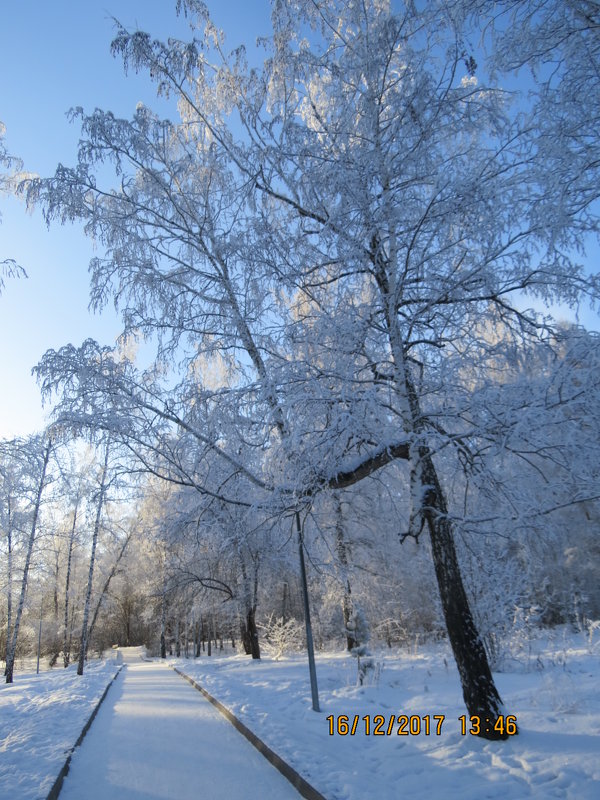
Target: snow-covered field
555	755
41	717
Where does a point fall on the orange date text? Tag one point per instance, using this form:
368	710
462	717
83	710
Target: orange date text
380	725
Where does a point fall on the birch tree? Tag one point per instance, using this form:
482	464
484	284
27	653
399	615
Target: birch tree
337	225
38	455
12	521
100	501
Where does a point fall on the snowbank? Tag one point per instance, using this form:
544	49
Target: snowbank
42	717
554	755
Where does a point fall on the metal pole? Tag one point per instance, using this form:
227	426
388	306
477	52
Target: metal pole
37	671
309	637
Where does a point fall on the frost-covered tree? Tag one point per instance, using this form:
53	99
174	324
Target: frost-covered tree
8	180
538	482
336	226
13	522
98	502
552	48
36	453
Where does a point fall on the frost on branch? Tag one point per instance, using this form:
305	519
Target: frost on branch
281	636
8	184
343	247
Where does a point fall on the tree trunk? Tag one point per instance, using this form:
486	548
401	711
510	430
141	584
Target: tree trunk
285	602
342	551
479	691
104	591
66	647
245	637
310	649
9	587
252	632
12	648
248	629
163	616
55	589
83	645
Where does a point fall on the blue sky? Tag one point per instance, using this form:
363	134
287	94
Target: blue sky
56	55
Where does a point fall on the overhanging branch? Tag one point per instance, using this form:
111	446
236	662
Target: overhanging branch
341	480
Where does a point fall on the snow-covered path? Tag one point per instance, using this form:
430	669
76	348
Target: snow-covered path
155	737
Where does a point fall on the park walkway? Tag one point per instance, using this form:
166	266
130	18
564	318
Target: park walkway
155	737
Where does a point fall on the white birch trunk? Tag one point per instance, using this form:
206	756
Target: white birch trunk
66	648
86	612
106	586
12	647
9	581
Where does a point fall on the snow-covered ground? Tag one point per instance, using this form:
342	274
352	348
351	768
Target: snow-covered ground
555	755
154	737
41	717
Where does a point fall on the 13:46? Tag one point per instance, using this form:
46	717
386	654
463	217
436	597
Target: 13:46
503	725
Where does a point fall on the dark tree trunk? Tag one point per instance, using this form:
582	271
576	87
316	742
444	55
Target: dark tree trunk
479	691
285	602
198	641
248	629
249	634
253	633
244	636
163	618
55	591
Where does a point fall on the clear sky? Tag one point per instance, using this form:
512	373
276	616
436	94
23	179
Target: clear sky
56	55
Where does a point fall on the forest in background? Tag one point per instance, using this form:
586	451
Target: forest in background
331	258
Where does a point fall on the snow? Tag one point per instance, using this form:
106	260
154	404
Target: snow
157	737
556	753
41	718
176	735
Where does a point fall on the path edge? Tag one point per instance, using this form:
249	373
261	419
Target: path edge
298	782
57	785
